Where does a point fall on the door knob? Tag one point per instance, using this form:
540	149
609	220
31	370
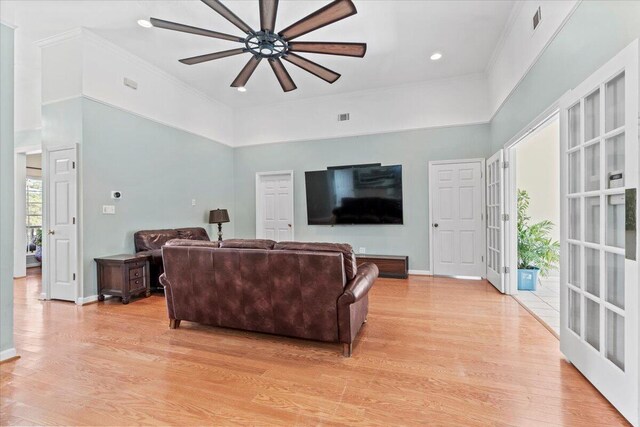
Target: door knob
52	232
289	225
435	225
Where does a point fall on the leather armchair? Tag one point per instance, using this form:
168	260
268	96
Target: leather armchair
150	242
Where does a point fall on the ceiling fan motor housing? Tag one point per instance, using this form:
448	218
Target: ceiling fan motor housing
266	44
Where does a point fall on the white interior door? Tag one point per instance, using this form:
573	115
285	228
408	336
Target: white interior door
495	220
457	205
61	255
599	268
274	206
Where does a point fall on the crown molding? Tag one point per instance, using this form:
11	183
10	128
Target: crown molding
59	38
8	24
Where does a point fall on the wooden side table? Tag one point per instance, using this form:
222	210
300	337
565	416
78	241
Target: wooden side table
123	276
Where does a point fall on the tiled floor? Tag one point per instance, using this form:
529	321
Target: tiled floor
544	302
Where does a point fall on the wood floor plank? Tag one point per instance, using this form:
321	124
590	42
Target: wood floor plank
435	351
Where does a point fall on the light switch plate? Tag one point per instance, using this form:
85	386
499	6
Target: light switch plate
362	250
193	202
108	210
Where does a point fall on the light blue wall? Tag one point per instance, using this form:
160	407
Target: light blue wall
159	170
595	33
412	149
28	138
6	188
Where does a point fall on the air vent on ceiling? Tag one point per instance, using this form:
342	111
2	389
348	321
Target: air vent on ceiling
343	117
131	83
537	18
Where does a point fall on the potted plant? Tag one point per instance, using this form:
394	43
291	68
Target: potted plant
537	251
37	240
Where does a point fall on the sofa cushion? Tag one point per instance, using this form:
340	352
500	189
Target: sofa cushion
248	243
350	265
192	233
189	242
147	240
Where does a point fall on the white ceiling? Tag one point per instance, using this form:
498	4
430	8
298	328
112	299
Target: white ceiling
401	35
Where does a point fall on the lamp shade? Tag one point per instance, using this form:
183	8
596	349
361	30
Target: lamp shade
218	216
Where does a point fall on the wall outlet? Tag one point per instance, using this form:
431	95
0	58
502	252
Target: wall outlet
362	250
108	210
193	202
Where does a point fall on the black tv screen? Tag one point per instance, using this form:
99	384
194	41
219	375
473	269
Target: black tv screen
355	195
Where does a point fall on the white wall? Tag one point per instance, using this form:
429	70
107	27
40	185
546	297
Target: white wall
520	46
86	64
447	102
19	203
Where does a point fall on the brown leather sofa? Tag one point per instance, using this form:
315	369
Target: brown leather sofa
149	242
305	290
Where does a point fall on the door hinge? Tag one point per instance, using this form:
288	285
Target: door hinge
505	217
73	165
74	219
505	165
506	270
482	258
74	276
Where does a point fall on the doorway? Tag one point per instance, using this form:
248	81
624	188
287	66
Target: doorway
274	206
535	194
456	209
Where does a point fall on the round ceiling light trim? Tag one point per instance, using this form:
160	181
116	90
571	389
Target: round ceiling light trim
435	56
144	23
242	89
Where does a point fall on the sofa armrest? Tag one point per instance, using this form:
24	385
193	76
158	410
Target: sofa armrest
164	281
359	286
168	295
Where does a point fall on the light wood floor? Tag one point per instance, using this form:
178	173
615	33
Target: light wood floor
434	352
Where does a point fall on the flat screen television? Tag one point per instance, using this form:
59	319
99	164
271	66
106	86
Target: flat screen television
355	195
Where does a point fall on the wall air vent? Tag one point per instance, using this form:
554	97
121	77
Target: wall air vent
537	18
343	117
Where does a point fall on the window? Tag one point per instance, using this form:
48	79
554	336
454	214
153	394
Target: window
34	210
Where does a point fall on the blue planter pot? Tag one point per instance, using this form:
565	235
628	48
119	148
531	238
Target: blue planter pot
528	279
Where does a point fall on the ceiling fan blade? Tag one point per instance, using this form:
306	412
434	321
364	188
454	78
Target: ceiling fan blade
330	48
268	12
212	56
168	25
281	73
228	15
333	12
246	72
310	66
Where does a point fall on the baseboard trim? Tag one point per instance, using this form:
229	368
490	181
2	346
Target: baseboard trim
9	354
420	272
87	300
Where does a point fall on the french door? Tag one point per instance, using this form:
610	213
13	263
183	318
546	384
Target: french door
495	220
599	299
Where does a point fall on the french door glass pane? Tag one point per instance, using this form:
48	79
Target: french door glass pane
574	126
614	336
574	172
574	311
614	105
574	265
592	219
574	219
592	323
614	152
615	220
592	271
592	167
592	116
614	289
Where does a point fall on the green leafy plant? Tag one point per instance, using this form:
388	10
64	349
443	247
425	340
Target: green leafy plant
536	248
37	239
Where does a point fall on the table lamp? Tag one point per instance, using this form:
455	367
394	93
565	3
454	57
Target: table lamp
218	216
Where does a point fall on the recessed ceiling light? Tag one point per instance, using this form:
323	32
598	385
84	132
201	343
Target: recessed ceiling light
242	89
144	23
435	56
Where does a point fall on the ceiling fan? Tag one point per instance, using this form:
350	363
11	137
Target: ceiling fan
274	46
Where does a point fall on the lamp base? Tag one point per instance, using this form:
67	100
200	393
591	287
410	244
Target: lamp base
220	232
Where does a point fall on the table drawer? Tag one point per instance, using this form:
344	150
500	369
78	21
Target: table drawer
135	284
136	273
